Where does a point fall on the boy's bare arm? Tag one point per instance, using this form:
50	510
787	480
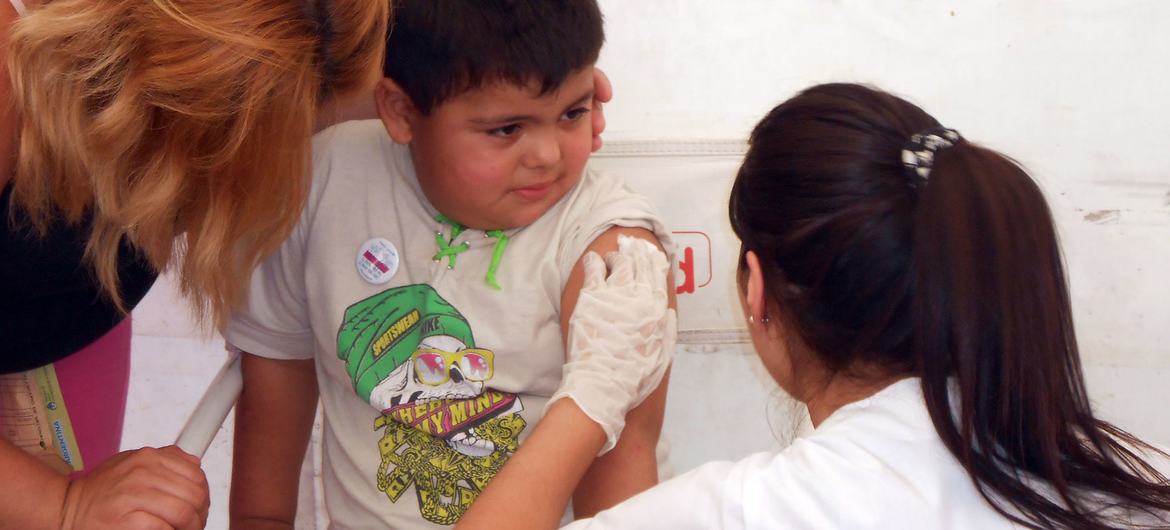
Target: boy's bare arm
274	418
631	466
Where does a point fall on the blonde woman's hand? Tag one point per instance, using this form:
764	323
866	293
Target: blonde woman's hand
621	334
139	490
602	93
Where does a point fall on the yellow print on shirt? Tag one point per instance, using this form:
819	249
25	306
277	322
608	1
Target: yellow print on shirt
445	481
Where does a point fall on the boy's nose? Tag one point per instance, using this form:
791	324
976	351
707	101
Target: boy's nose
545	151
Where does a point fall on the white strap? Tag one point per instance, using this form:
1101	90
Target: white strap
18	5
213	407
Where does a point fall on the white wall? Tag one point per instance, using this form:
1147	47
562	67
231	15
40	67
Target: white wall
1075	90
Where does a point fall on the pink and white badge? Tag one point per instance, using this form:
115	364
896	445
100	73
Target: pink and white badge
377	261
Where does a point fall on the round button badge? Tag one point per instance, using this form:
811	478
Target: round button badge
377	261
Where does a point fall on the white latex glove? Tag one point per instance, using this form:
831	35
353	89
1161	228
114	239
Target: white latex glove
621	335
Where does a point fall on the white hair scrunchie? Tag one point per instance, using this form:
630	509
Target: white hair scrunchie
918	155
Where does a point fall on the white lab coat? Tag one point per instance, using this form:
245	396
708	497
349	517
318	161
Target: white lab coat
875	463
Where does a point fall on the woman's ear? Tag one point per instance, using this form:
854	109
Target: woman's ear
395	109
754	297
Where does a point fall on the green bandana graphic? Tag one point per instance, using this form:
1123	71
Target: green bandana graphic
380	333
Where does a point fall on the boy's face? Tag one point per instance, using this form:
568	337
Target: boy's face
501	155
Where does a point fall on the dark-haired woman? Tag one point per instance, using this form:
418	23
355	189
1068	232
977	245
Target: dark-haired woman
907	286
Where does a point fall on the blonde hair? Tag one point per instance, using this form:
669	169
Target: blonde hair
192	118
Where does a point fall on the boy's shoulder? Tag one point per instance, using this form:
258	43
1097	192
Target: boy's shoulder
598	190
360	147
600	201
351	137
596	186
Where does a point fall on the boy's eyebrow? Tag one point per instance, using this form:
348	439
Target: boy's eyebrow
527	117
581	100
503	119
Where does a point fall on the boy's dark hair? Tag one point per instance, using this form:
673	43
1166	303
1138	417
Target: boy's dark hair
438	49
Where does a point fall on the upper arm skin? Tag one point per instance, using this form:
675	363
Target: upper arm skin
274	418
631	466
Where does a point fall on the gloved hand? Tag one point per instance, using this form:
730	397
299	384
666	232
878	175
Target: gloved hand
621	335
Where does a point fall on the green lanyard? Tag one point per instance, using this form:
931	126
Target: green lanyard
450	252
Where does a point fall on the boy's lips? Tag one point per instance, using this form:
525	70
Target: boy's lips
535	192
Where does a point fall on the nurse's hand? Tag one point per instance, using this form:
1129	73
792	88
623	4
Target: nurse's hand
602	93
621	334
137	490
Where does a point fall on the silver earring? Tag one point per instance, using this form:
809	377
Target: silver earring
751	319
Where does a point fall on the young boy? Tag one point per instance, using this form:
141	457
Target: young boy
428	287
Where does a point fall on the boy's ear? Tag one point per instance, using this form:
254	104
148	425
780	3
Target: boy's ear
395	109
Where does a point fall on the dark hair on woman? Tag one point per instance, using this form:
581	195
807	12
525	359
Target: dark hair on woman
438	49
957	279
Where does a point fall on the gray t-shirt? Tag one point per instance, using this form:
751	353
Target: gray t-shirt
429	377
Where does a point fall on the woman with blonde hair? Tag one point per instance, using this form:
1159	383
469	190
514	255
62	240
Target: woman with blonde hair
137	136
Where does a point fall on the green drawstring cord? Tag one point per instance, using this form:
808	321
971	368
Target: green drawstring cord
497	255
446	250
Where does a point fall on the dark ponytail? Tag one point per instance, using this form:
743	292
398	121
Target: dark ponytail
956	278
